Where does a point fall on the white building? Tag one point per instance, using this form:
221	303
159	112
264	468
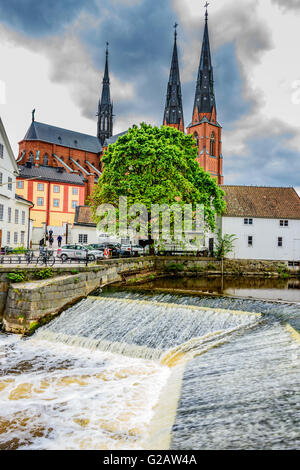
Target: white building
15	224
265	221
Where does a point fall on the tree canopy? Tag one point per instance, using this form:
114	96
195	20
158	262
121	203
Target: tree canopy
151	165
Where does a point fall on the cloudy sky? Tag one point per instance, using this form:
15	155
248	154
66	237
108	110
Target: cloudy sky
52	58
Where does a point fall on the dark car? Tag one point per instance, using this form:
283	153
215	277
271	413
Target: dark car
114	249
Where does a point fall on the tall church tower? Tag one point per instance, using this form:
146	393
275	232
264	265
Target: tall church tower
206	130
105	108
173	116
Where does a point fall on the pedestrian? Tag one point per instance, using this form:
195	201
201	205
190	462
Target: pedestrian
42	243
59	240
51	240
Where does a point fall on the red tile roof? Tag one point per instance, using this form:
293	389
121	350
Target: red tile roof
262	202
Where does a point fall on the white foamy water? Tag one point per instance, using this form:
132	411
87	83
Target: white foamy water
110	373
59	397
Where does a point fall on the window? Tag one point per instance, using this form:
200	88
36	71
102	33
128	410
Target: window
23	217
22	238
56	189
41	187
1	211
248	221
212	143
250	241
1	178
82	238
75	191
20	184
9	184
284	223
196	137
46	160
15	238
16	216
8	238
1	150
31	158
9	215
55	202
74	204
40	201
280	242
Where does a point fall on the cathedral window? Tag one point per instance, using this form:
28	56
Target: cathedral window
46	160
196	137
212	144
31	158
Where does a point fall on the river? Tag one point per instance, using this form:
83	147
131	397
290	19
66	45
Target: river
156	370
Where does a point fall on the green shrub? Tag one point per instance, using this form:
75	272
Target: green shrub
211	267
175	267
45	273
17	277
19	251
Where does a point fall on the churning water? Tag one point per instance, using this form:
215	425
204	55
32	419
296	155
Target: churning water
133	371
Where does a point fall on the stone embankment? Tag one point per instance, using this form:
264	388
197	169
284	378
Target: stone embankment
25	306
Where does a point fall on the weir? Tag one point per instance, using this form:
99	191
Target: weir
133	371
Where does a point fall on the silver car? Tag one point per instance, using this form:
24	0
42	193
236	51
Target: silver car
79	252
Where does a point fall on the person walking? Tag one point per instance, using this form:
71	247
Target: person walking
42	244
51	240
59	240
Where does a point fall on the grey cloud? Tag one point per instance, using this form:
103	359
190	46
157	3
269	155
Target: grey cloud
287	4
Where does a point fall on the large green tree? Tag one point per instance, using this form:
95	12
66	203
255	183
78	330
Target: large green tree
151	165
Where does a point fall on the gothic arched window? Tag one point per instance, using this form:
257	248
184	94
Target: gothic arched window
31	158
46	160
196	137
212	144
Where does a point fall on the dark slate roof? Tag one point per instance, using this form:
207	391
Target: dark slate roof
261	202
48	173
51	134
173	109
21	199
83	216
113	139
205	95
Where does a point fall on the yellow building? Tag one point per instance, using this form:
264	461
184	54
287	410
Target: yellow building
54	193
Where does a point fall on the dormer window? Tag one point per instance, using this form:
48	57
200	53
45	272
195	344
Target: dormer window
59	139
76	142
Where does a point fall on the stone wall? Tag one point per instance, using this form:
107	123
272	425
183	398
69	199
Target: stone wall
30	303
27	304
230	266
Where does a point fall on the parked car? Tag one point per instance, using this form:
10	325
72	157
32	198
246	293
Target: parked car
114	249
131	250
79	252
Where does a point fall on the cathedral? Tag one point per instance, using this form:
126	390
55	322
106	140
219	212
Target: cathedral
77	157
204	126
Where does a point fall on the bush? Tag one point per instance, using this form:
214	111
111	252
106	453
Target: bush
17	277
19	251
175	267
45	273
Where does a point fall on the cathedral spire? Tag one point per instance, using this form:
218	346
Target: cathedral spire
205	96
105	108
173	116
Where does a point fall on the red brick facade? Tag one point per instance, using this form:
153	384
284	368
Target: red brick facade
208	135
41	153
